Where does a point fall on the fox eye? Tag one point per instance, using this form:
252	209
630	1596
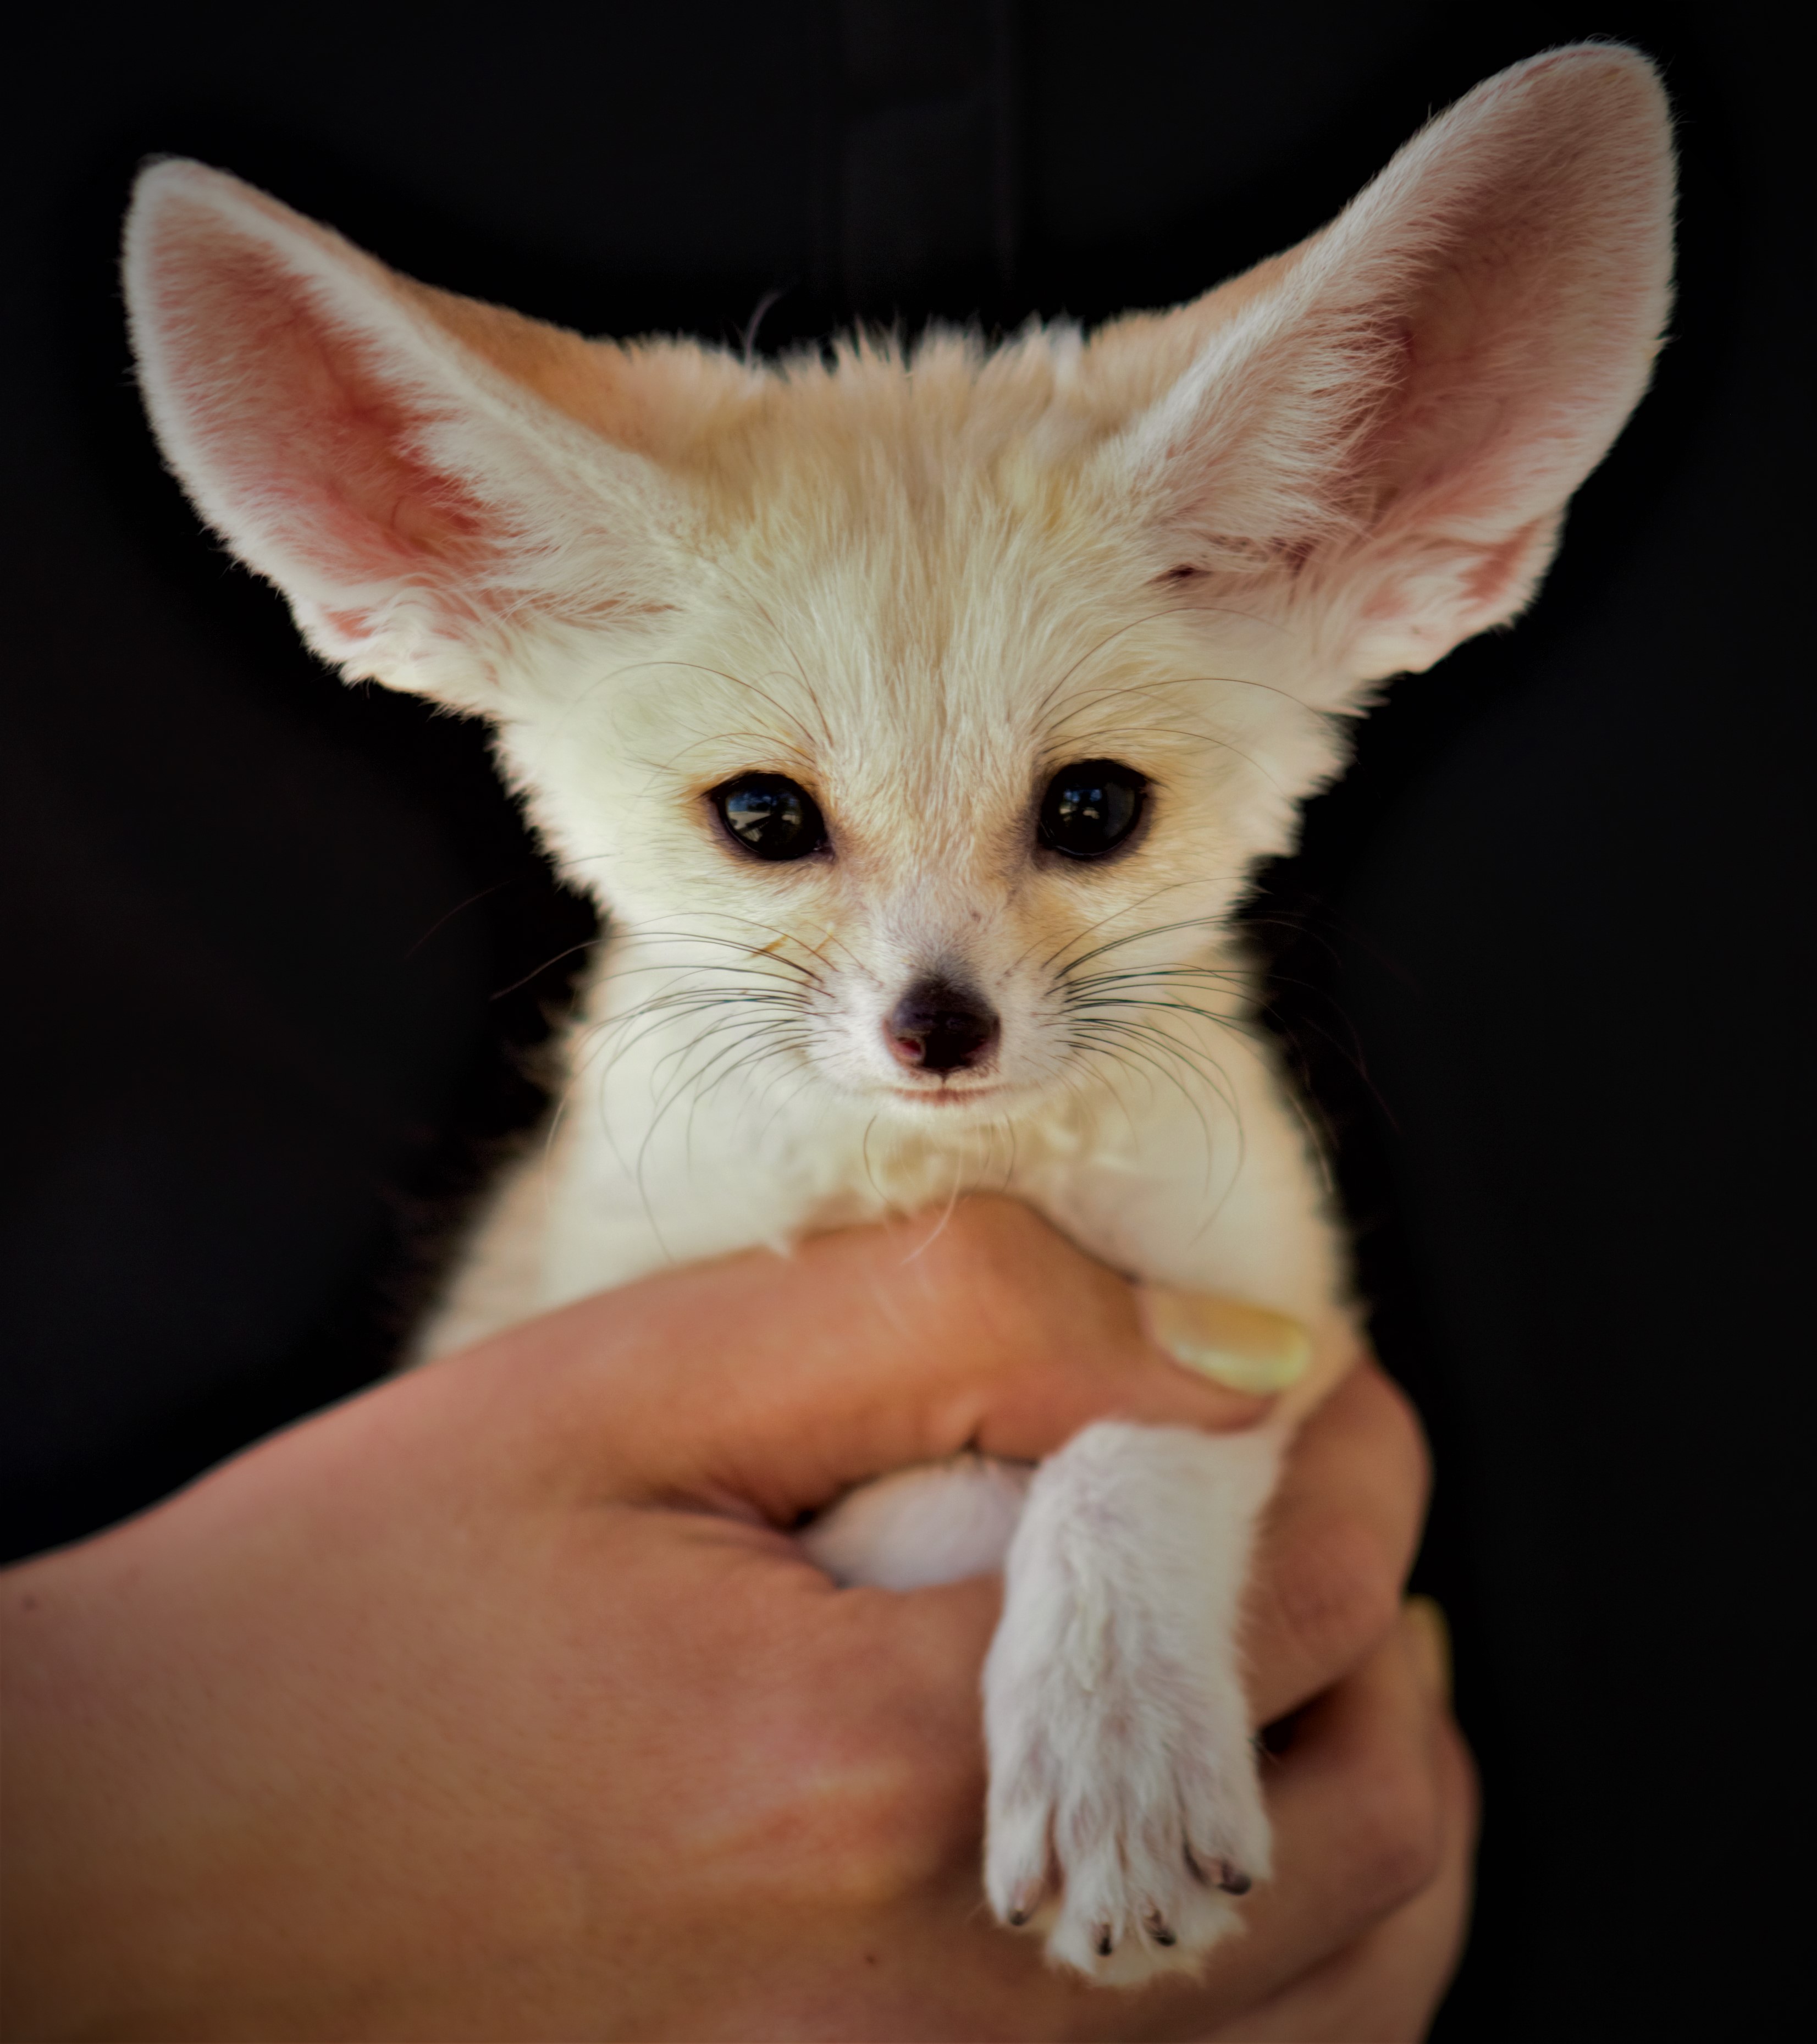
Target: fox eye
770	817
1091	807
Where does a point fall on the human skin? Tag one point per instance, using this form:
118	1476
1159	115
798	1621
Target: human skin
493	1703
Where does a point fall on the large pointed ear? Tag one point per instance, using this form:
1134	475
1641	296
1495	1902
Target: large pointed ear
1388	420
376	449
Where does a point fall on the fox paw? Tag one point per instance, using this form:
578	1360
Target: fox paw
1127	1838
1125	1810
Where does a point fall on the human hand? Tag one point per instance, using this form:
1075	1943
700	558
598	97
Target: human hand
492	1703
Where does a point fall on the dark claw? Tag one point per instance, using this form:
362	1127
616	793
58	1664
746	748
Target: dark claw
1023	1904
1156	1926
1218	1873
1106	1941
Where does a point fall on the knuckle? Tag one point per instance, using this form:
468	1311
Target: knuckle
843	1837
860	1833
1336	1592
1406	1441
867	1810
1396	1831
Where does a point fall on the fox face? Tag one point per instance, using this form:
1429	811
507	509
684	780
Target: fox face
938	781
919	714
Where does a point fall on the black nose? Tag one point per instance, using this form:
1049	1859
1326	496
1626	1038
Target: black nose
941	1028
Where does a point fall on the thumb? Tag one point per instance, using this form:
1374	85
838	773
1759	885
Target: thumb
783	1381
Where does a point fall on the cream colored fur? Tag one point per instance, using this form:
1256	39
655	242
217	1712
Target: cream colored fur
918	583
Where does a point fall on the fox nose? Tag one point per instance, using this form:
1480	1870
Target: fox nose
938	1027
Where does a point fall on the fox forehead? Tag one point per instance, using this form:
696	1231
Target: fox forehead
906	569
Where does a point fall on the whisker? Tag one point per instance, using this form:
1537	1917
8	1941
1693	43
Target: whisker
537	972
441	922
1135	936
1154	895
1125	1050
1148	617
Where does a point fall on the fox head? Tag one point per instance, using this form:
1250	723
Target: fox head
931	707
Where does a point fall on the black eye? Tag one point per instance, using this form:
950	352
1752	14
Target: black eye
770	817
1090	808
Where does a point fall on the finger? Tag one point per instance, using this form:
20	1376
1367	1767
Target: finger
786	1380
1385	1987
895	1731
1361	1823
1337	1544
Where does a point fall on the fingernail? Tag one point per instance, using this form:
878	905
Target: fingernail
1431	1637
1247	1348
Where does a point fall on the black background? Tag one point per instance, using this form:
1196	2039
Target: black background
1546	958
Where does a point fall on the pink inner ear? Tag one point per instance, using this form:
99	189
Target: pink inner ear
1523	351
309	443
1492	582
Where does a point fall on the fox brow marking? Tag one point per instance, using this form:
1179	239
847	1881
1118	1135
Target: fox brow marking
1091	653
806	753
1057	754
1198	681
737	682
1150	618
783	641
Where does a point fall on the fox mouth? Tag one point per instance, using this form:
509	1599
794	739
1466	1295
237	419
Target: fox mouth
945	1096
